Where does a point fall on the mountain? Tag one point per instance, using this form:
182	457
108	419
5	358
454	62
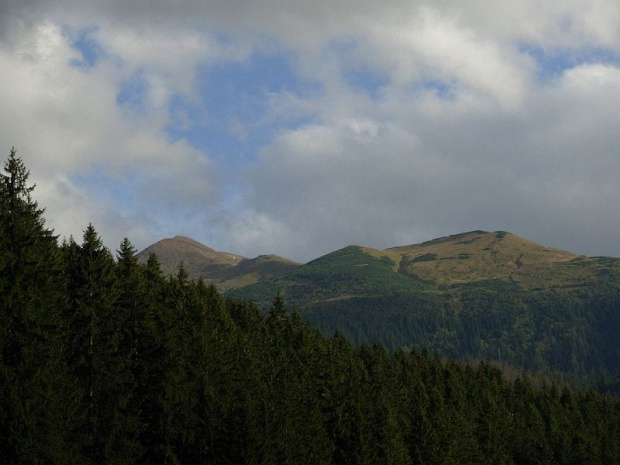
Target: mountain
475	295
223	268
198	259
478	256
444	265
441	264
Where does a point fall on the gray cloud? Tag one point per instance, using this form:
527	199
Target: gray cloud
547	172
459	132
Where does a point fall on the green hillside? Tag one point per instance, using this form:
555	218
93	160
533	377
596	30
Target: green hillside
494	261
477	295
346	274
480	256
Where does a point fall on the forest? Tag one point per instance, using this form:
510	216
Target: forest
105	360
568	332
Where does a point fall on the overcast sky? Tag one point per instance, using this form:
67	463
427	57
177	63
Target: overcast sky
298	127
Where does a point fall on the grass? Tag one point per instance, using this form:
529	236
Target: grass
499	261
347	273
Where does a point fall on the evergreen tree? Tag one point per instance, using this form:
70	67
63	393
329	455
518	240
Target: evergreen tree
95	329
151	358
33	415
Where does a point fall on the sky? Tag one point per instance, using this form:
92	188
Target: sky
297	128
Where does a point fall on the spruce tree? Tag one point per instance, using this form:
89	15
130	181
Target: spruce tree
152	357
93	347
32	413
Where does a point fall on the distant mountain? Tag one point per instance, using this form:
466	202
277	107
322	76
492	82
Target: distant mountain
441	264
486	295
475	258
199	260
224	268
478	255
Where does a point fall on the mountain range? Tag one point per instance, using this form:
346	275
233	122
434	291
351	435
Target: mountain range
489	295
442	264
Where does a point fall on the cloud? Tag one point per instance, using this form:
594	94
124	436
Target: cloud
299	127
547	172
68	126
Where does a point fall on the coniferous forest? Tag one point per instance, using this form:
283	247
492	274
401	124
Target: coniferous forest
105	360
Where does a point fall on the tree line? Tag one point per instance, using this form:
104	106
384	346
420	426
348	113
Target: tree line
105	360
567	335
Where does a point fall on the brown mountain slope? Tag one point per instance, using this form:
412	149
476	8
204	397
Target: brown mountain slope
227	270
199	260
481	255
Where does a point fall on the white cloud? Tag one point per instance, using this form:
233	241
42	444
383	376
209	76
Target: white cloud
168	56
65	122
430	47
455	132
547	171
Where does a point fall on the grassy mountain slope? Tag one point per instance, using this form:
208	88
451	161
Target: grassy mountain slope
353	272
198	259
253	270
479	256
488	295
481	259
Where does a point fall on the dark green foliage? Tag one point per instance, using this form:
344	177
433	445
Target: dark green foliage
343	274
32	372
565	332
565	336
427	257
107	361
568	334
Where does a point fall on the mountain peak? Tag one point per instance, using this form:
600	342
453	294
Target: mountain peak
481	255
203	262
195	257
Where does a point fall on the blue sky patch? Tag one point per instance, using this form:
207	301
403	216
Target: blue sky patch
240	88
84	42
355	74
553	63
133	93
442	89
232	120
366	81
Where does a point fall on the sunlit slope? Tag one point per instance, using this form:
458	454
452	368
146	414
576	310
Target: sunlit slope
493	260
486	295
446	264
480	256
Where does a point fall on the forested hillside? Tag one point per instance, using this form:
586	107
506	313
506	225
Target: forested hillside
105	360
478	295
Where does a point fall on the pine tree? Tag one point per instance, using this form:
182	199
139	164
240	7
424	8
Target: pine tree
95	329
33	415
134	345
152	358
